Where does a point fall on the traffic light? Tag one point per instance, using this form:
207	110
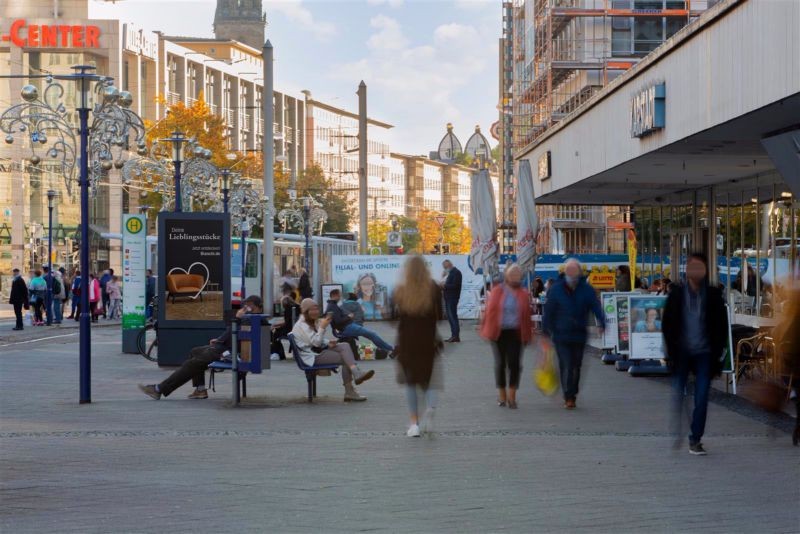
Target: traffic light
436	249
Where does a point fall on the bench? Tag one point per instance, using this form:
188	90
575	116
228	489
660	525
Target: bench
310	371
259	339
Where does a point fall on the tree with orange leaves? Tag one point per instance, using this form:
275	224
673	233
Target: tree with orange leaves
453	232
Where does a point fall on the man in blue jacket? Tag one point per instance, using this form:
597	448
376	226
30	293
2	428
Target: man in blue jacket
452	293
566	310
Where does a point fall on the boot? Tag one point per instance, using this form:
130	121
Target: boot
360	376
351	395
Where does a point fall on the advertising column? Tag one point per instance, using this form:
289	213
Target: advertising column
193	281
134	265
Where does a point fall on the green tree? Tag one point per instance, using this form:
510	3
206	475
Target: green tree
313	182
377	235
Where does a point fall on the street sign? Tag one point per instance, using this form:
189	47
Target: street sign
134	264
410	231
440	220
394	239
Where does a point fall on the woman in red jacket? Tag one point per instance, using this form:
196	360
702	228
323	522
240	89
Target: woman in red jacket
507	324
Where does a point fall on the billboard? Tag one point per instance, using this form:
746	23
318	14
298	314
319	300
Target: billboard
373	279
646	335
194	268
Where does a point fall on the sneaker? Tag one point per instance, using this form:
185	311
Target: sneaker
697	449
413	431
150	391
199	394
274	357
351	395
362	376
569	404
427	421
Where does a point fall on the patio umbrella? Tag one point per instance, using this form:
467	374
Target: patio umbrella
483	224
527	222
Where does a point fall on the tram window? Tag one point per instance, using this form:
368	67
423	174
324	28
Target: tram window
251	267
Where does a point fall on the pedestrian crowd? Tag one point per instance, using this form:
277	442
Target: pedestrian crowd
45	296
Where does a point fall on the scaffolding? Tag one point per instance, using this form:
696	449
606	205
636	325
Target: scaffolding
565	51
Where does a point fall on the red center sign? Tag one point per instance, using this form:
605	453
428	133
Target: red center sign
52	36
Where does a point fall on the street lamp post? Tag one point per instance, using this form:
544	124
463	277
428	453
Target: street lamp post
225	177
113	123
51	196
177	140
245	228
306	228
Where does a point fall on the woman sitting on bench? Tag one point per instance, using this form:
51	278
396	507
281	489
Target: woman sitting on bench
316	348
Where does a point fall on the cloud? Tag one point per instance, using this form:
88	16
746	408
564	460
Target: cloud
295	11
390	3
389	35
477	5
420	87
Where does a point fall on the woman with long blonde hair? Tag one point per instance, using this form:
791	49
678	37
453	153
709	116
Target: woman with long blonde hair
418	301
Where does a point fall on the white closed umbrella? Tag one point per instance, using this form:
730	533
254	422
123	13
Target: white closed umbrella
483	224
527	221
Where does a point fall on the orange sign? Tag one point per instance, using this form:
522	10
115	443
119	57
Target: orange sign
52	36
602	280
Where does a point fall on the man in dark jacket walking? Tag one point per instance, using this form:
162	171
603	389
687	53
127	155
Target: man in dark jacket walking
452	293
18	297
695	333
566	310
344	324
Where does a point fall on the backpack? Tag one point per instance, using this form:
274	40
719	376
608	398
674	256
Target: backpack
56	286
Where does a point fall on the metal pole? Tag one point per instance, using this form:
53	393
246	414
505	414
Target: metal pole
177	176
50	306
85	359
235	358
225	200
362	167
307	231
243	289
268	148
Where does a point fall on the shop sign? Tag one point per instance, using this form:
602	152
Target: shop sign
139	41
648	110
52	35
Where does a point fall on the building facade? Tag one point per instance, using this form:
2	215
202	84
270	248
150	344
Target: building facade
243	21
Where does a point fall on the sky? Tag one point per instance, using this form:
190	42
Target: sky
425	62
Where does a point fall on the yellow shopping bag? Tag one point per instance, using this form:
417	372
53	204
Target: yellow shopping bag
545	375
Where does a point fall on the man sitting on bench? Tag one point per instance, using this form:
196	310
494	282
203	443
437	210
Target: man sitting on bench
344	325
194	368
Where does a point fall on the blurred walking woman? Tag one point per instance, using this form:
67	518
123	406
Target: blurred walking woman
507	325
418	301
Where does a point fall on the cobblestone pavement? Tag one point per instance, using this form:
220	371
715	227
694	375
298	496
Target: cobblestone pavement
126	463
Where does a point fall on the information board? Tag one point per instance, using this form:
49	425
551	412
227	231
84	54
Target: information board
646	335
134	271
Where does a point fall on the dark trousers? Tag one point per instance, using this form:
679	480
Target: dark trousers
106	302
700	365
37	310
18	314
570	359
507	356
451	307
48	308
193	369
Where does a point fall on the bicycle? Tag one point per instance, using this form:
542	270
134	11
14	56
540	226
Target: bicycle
147	340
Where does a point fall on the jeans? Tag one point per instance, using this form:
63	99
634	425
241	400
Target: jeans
451	307
342	354
411	398
75	301
193	369
700	365
354	330
58	309
507	355
570	358
114	310
106	302
37	310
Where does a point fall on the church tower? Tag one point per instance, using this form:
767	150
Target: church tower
240	20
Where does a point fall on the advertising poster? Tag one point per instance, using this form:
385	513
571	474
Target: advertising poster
623	318
134	271
373	279
610	333
647	339
193	269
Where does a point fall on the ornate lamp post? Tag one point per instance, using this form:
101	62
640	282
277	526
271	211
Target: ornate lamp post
225	176
178	139
305	217
112	125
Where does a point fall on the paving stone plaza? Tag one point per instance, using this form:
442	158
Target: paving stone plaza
126	463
